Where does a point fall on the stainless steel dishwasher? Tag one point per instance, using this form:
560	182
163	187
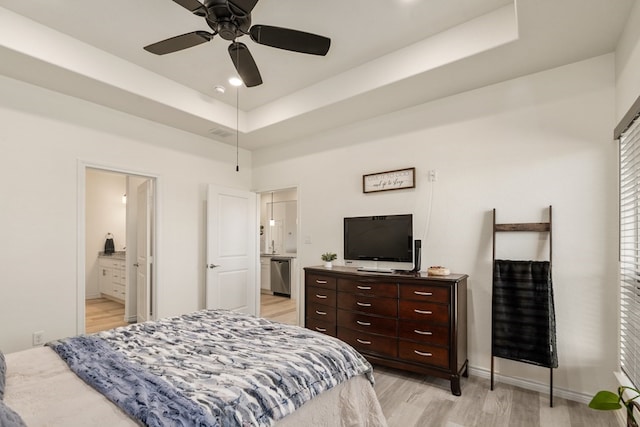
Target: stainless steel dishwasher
281	276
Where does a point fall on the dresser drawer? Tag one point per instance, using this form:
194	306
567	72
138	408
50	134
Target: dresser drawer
369	288
424	332
424	353
369	343
320	281
365	304
366	323
424	293
320	326
316	295
321	312
424	311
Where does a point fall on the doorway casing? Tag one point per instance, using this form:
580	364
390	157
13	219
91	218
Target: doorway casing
299	249
81	235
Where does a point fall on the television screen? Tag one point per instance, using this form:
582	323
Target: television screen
379	238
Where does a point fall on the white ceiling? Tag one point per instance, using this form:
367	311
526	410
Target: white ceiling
385	55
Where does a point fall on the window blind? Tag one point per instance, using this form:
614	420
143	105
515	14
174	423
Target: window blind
630	251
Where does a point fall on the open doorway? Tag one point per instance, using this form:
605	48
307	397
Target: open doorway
118	246
279	271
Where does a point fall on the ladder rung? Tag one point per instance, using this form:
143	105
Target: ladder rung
528	226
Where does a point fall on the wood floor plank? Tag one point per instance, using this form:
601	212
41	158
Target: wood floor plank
436	413
102	314
280	309
525	408
466	411
558	416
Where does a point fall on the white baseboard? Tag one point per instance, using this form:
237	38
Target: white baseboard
532	385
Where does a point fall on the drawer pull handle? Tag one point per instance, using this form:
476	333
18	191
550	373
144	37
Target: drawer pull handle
321	296
321	282
363	341
363	304
422	332
320	329
361	323
424	294
423	311
364	288
420	353
321	313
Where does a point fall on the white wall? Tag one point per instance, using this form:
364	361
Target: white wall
628	64
105	213
44	138
518	146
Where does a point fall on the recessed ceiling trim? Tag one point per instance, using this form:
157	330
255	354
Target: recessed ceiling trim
44	44
471	38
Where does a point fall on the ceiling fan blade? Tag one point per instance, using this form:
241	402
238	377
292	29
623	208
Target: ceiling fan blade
242	7
180	42
245	65
193	6
294	40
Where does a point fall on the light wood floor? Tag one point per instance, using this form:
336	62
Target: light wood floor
102	314
412	400
281	309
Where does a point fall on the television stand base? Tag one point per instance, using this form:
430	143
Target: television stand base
376	270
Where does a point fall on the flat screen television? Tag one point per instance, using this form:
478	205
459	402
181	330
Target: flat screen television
384	238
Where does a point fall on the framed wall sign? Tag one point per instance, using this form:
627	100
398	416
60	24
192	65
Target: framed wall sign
391	180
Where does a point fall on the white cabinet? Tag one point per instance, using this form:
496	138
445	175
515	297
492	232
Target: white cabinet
112	278
265	273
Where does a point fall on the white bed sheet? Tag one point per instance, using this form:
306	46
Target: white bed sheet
45	392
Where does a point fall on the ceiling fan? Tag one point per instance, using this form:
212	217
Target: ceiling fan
231	19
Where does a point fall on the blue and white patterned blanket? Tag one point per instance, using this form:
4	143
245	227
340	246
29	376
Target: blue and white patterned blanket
211	368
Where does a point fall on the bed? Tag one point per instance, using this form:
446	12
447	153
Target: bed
208	368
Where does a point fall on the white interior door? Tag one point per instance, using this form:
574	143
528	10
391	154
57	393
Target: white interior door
143	256
232	250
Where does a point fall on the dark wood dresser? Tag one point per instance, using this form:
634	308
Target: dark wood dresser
411	321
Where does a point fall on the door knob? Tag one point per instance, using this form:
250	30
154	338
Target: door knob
213	266
136	265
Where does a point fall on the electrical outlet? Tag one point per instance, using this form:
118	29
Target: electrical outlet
433	175
38	338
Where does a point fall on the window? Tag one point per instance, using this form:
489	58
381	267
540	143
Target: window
630	250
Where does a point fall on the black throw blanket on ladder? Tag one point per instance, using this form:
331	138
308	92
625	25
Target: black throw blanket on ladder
523	315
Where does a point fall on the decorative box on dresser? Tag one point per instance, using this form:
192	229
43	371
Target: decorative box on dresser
411	321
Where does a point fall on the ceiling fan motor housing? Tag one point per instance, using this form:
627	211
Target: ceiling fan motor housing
222	20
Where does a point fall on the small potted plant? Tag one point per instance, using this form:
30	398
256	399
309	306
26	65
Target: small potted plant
327	257
608	400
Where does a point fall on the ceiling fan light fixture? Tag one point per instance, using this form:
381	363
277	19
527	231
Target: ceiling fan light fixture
235	81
